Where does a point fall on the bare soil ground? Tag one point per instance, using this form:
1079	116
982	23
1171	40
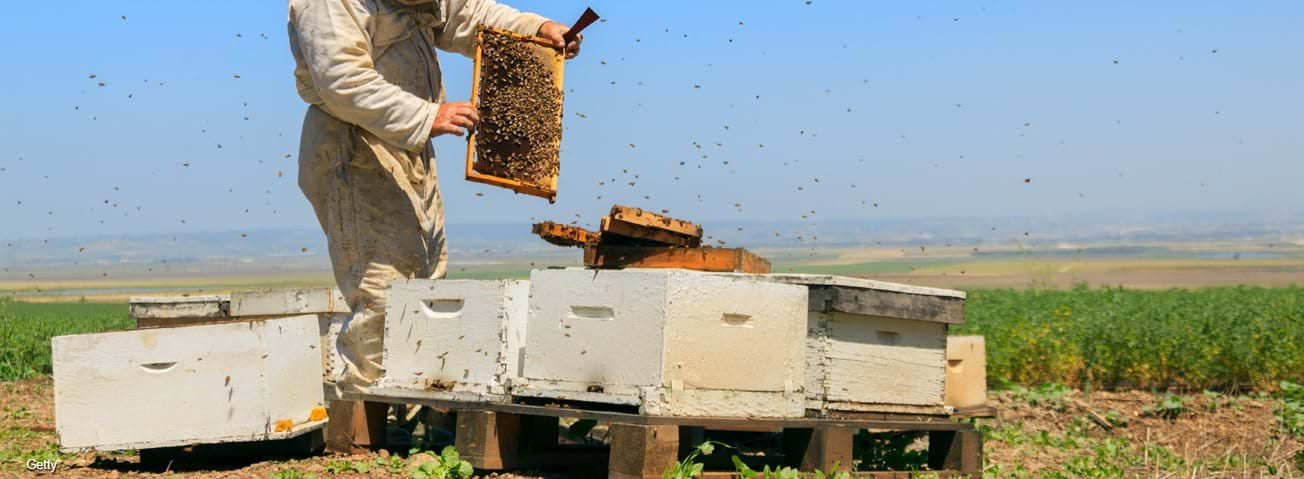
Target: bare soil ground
1034	434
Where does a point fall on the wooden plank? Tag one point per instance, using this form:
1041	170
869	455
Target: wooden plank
565	235
279	302
648	219
827	449
621	232
489	440
549	190
159	312
642	452
956	450
725	260
880	421
355	426
891	304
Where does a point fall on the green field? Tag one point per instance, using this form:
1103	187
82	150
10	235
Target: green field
26	329
1216	338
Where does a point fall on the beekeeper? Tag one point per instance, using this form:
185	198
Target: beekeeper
369	72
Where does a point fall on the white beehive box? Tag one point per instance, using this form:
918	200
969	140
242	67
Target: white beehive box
874	346
328	304
202	384
673	342
453	339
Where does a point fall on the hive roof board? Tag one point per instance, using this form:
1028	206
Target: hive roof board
878	298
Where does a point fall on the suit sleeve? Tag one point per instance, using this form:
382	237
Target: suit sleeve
336	46
464	18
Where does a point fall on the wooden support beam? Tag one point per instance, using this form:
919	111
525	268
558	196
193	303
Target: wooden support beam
824	448
489	440
728	260
960	451
355	426
639	452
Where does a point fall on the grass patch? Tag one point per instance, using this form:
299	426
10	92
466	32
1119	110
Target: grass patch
26	329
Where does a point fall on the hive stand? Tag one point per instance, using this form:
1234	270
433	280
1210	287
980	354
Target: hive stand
516	435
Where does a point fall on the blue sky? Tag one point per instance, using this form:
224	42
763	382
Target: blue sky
930	110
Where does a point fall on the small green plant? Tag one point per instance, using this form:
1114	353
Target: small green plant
689	468
1053	395
393	464
292	473
1115	418
340	466
1291	413
1168	406
448	465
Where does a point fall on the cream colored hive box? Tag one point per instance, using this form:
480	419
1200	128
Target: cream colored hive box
453	339
672	342
205	384
876	347
966	372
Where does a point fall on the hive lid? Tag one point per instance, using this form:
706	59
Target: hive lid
861	283
866	297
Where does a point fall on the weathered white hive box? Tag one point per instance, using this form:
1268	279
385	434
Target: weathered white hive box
328	304
673	342
453	339
874	346
187	385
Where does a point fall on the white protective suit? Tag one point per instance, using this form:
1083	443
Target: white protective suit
369	72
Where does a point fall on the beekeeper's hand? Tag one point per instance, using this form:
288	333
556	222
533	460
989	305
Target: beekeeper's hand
553	31
454	117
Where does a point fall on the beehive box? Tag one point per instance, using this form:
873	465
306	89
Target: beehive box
966	372
672	342
327	304
454	339
202	384
876	347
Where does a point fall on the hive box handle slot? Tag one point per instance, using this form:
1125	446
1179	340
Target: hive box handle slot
732	319
158	368
889	337
442	308
599	313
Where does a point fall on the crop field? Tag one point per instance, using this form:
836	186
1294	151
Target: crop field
26	329
1217	338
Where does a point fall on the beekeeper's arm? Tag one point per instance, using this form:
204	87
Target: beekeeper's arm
464	18
336	47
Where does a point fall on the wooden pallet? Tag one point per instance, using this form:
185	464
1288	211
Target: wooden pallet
516	435
728	260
